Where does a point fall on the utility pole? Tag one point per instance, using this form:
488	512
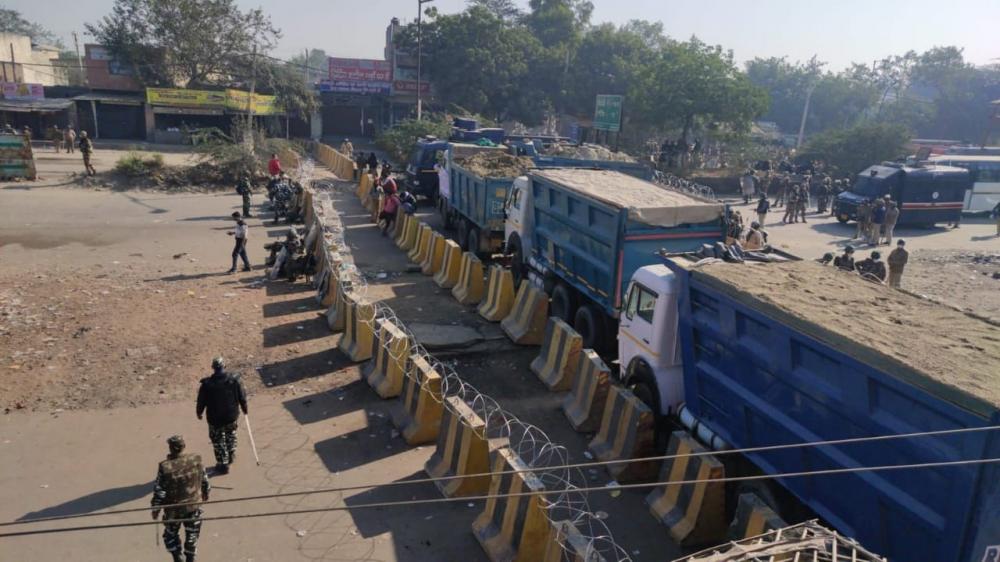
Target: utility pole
420	9
253	87
79	60
805	113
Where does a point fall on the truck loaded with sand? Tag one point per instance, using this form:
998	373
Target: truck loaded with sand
775	358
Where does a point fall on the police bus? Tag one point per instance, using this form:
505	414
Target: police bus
984	170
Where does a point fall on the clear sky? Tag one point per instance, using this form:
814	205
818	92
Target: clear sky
838	31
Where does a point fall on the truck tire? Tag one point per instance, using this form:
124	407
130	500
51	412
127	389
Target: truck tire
642	383
589	323
462	228
447	220
563	304
472	239
516	252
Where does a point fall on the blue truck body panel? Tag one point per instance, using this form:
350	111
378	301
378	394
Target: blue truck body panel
480	200
595	247
757	381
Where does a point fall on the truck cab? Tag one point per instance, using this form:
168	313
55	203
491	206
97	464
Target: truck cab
421	177
518	220
648	343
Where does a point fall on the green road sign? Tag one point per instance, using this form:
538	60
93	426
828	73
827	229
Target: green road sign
608	113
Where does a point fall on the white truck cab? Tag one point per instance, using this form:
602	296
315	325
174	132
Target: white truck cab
649	348
519	221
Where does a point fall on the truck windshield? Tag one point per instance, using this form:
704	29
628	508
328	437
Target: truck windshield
415	156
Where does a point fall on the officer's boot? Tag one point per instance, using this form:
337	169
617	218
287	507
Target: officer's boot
177	556
189	557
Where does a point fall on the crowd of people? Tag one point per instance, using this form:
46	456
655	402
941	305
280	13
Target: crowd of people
873	268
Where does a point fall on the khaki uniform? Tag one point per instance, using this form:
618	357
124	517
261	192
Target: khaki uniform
897	261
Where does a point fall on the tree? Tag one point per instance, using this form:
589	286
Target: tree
286	83
505	10
186	42
480	62
691	84
11	21
313	65
853	149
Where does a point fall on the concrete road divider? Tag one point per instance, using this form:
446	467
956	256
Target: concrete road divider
364	186
411	235
513	527
559	355
417	415
398	223
435	255
584	406
451	266
399	233
567	544
420	249
695	514
462	451
305	209
626	433
387	367
499	294
753	517
469	289
326	293
359	322
336	315
525	325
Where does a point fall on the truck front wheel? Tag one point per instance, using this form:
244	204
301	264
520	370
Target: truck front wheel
643	385
472	239
516	259
589	323
447	221
463	233
563	305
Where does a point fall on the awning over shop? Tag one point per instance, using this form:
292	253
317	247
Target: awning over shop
112	99
36	106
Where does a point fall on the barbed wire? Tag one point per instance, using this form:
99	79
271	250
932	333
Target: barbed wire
547	459
680	184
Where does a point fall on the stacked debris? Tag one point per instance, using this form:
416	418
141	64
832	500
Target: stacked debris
805	541
497	164
587	152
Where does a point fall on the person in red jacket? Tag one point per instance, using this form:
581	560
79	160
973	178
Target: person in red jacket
274	166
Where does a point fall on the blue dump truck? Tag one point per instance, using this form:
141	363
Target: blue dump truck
926	195
473	204
580	233
758	354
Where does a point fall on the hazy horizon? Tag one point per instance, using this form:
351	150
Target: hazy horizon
838	33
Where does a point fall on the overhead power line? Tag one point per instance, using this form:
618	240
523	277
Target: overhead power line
589	464
639	485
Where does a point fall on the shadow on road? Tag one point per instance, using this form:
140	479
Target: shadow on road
94	502
282	308
303	367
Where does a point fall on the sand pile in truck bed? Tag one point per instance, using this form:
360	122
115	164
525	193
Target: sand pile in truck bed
932	346
496	164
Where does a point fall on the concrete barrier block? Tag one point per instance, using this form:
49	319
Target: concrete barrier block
499	298
525	325
626	433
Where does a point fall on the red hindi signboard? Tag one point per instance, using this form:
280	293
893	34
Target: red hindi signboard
359	70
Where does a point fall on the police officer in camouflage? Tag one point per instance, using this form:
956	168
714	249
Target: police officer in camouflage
223	396
181	479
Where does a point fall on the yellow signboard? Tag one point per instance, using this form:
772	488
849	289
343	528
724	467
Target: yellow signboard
234	100
262	105
185	98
